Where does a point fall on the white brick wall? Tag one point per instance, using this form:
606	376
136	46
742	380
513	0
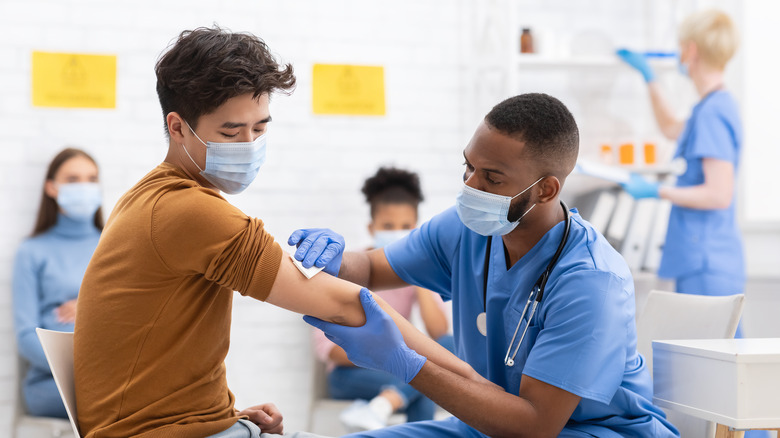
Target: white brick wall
316	164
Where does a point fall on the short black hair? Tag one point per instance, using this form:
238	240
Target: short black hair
392	186
546	127
208	66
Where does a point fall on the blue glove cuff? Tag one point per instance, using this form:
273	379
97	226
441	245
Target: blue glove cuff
411	363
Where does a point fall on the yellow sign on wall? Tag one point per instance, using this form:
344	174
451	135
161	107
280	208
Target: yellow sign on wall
348	89
72	80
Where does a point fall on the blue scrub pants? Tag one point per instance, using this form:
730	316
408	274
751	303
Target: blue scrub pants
42	398
347	383
713	284
454	428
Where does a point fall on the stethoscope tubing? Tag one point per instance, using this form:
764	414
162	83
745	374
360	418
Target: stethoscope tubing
537	292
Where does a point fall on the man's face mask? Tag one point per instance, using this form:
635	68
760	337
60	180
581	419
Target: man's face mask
231	167
486	213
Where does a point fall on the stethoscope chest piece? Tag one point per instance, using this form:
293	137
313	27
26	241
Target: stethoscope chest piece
482	323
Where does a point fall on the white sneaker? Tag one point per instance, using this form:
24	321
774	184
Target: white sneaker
358	417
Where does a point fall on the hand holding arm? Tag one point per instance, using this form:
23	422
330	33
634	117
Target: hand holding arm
377	344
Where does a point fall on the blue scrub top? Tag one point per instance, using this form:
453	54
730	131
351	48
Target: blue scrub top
581	339
706	240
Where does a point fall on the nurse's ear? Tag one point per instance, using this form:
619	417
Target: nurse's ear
549	189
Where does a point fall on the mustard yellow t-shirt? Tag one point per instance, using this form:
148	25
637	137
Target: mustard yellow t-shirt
153	319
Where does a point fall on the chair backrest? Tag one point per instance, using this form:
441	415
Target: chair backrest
58	348
670	315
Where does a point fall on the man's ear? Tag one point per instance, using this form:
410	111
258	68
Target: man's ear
176	127
550	188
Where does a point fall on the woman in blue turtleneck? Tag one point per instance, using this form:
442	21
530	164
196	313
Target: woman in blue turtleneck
49	268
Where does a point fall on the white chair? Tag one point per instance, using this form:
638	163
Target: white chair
674	316
28	426
58	348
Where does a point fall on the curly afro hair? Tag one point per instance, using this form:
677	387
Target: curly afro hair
392	186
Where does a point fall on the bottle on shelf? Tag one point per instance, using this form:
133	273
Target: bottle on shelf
626	154
650	158
606	154
526	41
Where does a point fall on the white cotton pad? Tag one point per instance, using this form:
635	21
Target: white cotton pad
307	272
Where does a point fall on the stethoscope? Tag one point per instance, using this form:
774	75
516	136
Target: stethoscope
534	297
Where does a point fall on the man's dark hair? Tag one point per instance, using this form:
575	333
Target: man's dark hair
392	186
208	66
546	127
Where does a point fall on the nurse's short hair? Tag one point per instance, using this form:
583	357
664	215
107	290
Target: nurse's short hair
714	34
544	125
207	66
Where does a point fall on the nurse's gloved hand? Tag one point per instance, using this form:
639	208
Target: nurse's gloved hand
641	188
318	247
638	61
377	345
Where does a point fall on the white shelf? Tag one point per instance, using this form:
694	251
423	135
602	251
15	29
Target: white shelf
530	60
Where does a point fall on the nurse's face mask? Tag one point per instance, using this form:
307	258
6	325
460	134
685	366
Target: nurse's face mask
486	213
231	167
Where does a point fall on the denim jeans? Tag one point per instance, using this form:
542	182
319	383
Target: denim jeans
346	383
41	397
247	429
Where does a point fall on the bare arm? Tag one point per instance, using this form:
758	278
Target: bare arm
335	300
434	319
338	356
540	410
323	296
715	193
670	126
371	269
427	347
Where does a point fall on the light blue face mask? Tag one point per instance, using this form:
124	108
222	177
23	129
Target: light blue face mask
383	238
231	167
79	201
682	68
486	213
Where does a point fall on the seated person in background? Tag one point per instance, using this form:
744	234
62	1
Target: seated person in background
49	268
393	195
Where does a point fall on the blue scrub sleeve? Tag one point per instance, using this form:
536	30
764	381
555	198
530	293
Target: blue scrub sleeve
713	136
26	307
581	347
424	257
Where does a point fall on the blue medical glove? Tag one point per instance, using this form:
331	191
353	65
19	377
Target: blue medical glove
318	247
377	345
638	61
641	188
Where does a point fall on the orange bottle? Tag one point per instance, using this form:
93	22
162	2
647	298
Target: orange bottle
626	153
650	153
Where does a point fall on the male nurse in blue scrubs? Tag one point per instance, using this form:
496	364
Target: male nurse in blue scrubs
577	372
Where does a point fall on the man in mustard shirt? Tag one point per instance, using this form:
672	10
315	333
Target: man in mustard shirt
153	320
